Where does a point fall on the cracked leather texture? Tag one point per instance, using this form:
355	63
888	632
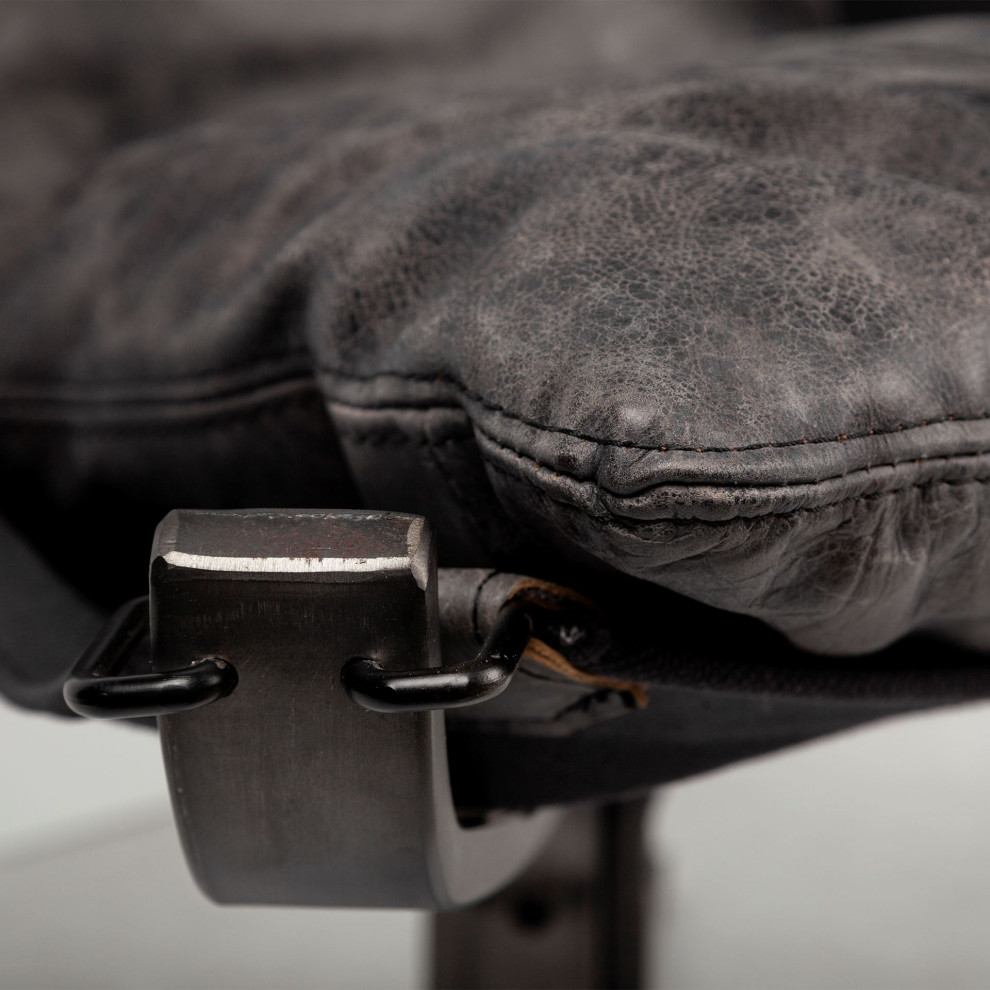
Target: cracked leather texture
722	329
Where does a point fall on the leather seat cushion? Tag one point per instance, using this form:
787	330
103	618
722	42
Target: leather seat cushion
725	330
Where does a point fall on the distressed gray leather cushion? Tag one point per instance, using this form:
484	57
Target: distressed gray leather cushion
726	330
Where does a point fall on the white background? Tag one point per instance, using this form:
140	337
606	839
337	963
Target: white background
857	862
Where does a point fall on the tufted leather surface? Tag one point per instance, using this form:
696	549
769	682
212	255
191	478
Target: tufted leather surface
722	329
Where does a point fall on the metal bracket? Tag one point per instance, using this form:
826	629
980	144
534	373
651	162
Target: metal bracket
288	791
97	689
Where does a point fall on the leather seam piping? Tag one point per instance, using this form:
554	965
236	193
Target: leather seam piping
245	370
476	398
502	411
696	520
558	472
251	405
365	440
635	524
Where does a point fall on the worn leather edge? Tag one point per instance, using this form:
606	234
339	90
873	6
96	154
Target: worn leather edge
721	501
724	561
598	477
720	486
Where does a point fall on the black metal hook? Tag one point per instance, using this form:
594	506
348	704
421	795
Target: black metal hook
379	689
95	690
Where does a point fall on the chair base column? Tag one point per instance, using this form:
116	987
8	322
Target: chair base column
576	919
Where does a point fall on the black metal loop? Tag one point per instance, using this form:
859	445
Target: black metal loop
379	689
96	690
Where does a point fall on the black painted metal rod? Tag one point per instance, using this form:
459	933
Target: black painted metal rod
379	689
95	690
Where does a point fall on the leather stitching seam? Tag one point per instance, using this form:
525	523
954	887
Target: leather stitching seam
508	414
256	364
303	396
397	440
577	434
632	525
559	472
